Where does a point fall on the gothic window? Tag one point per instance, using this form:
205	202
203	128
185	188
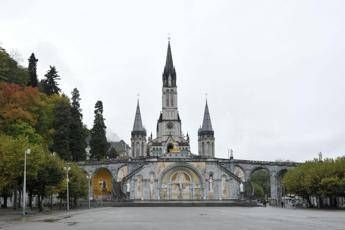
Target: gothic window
137	147
172	98
142	149
167	98
169	80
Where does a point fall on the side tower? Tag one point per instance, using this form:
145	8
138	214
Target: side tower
138	136
206	136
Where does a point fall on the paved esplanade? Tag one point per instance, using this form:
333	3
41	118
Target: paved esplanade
180	218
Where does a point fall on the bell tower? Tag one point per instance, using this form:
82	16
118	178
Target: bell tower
169	122
138	136
206	136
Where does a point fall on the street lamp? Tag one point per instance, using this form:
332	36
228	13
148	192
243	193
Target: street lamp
67	180
89	193
27	151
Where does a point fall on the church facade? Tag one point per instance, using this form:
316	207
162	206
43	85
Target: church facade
164	168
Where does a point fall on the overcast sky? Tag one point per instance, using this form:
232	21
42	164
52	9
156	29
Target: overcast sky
273	70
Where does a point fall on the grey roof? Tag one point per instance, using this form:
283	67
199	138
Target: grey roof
118	145
169	69
138	125
206	123
169	60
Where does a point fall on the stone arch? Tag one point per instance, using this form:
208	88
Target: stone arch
265	185
180	181
121	173
239	172
102	184
170	146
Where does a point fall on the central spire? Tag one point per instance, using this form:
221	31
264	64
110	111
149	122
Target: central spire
169	73
169	61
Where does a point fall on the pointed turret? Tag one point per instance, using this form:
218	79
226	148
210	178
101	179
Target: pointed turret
138	136
138	125
169	73
206	123
206	136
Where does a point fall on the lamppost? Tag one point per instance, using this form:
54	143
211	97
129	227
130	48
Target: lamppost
89	193
24	182
67	180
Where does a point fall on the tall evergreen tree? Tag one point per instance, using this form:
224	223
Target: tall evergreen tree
77	133
49	85
32	68
98	143
62	129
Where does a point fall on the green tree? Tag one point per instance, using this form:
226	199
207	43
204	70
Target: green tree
32	69
12	162
49	85
112	154
62	129
260	180
21	128
98	143
77	133
49	176
10	71
317	178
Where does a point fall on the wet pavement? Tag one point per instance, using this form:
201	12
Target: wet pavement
179	218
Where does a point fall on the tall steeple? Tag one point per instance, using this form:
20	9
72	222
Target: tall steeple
138	125
138	136
169	73
206	136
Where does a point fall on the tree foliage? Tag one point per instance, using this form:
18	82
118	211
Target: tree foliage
98	143
62	129
42	120
10	71
49	85
32	69
317	178
260	180
77	134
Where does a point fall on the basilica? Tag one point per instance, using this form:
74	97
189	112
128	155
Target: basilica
170	140
164	168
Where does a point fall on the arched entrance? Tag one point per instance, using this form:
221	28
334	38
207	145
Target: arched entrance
170	146
180	183
102	184
261	184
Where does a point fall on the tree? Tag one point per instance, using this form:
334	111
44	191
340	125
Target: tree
260	180
33	81
50	174
98	143
62	129
317	178
50	85
12	161
112	154
78	184
77	133
10	71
